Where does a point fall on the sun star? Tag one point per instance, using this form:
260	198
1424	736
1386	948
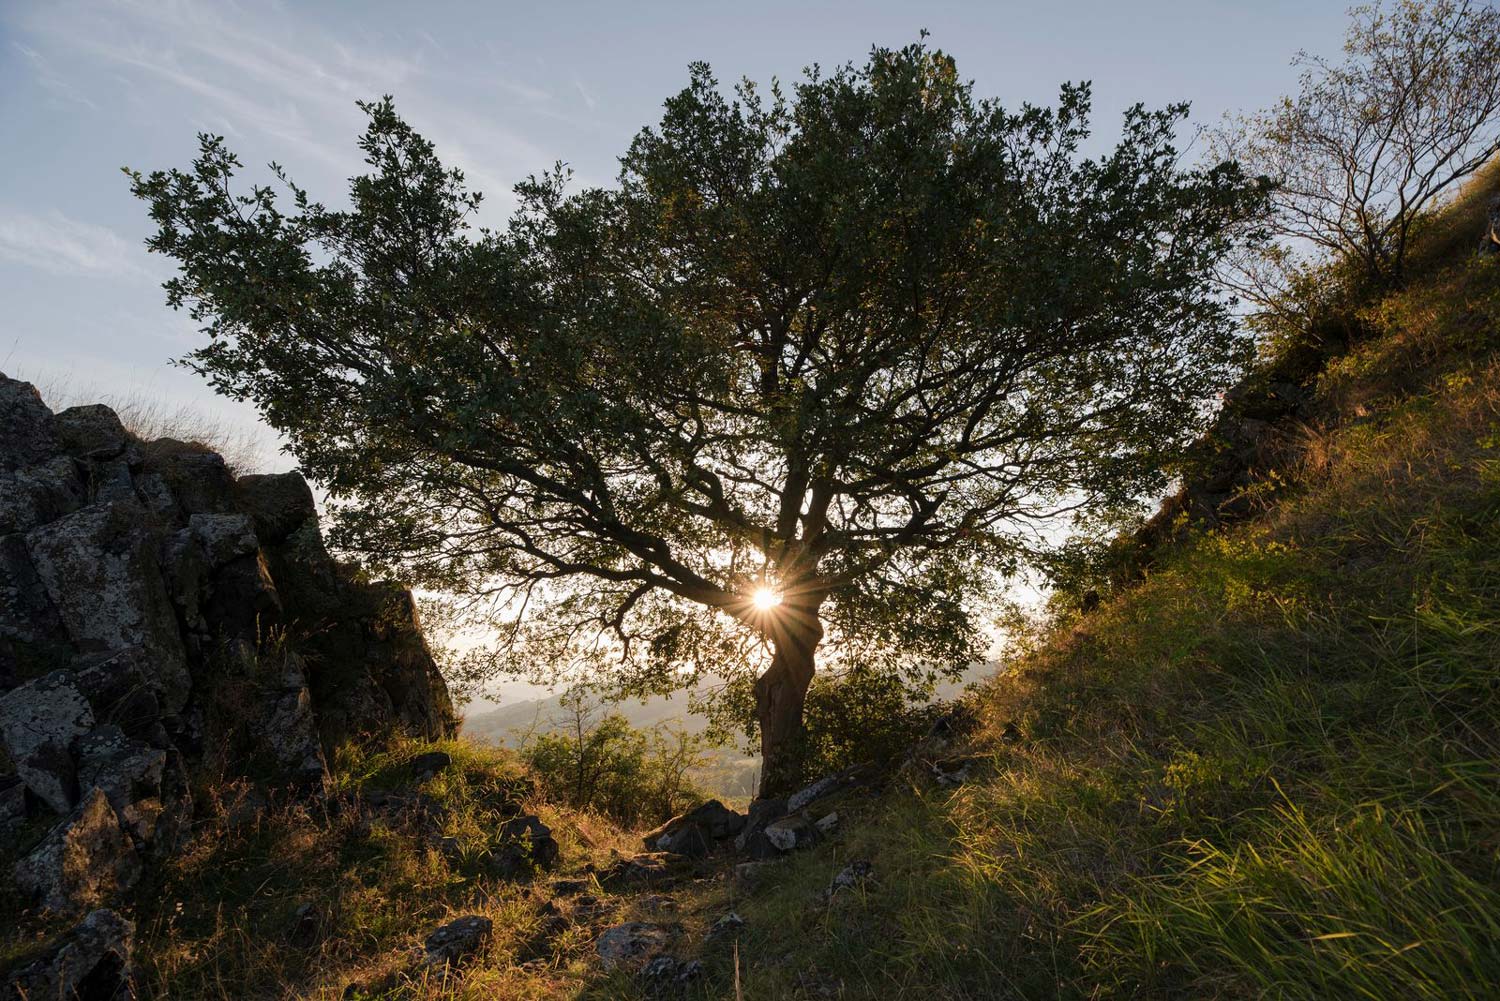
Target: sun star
765	599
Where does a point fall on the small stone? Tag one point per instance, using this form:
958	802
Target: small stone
457	940
303	929
660	968
828	824
791	833
726	925
853	874
646	868
534	840
632	942
425	766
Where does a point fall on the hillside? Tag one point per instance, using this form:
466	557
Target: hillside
1266	763
1271	768
1257	755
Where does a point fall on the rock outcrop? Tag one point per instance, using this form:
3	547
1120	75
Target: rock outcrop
155	608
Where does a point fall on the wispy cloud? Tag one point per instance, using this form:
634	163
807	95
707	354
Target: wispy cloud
267	74
52	242
50	80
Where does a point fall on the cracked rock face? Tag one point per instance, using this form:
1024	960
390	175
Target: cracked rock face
38	723
145	593
99	567
30	429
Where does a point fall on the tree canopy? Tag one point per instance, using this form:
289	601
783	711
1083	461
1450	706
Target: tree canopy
860	345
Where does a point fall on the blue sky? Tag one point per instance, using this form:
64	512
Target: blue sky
87	86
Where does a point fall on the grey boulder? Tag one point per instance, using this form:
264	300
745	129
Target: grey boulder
83	862
100	569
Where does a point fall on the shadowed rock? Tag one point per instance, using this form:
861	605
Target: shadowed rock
90	963
84	861
38	723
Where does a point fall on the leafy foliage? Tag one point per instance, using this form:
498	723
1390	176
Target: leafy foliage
864	343
1369	144
598	761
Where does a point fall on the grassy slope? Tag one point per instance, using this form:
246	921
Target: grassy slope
1271	769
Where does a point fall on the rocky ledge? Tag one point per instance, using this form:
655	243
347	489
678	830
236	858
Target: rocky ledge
157	611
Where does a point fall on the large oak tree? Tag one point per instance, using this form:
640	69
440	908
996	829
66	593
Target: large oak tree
859	346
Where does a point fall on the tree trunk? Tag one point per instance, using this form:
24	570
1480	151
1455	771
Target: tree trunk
781	691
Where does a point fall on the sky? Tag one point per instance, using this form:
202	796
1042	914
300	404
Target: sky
503	89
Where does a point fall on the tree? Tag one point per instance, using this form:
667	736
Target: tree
1368	144
819	368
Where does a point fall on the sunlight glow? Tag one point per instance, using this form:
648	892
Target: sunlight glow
765	599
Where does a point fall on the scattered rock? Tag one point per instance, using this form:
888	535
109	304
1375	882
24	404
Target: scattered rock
90	963
791	833
569	887
669	969
761	813
645	869
83	862
853	874
726	925
817	790
425	766
760	848
633	942
955	771
828	824
457	940
689	840
656	903
302	930
708	822
533	840
38	723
